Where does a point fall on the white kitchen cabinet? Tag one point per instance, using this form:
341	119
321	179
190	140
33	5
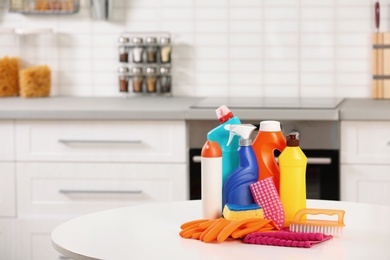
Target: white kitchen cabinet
365	161
366	183
7	152
7	238
34	241
81	188
365	142
52	170
7	190
97	141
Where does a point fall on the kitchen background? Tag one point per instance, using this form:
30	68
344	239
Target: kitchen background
265	48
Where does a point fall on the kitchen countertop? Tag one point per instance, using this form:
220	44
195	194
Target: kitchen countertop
107	108
365	109
191	108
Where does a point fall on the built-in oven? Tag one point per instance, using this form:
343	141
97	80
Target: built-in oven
319	140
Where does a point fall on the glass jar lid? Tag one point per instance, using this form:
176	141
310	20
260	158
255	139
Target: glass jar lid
165	40
151	70
164	70
137	40
123	70
136	70
151	40
123	39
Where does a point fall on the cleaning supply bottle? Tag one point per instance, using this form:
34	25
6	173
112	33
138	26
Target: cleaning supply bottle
211	168
292	162
221	136
269	139
236	189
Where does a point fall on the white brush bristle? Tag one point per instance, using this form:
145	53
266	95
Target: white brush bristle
327	230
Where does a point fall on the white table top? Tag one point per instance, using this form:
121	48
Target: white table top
152	232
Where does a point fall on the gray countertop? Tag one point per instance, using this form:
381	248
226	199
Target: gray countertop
365	109
140	108
191	108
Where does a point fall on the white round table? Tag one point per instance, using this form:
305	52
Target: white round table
152	232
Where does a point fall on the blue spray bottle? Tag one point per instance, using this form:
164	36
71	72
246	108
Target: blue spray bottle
221	136
236	189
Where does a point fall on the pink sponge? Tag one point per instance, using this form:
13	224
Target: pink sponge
266	196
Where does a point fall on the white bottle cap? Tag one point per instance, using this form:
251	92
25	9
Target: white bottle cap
270	126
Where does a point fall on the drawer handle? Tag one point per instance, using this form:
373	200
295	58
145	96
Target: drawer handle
101	191
319	161
74	141
64	257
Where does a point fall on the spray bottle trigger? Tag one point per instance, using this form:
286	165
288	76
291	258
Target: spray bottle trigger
231	133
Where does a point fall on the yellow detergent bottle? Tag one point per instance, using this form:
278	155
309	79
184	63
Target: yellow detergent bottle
292	164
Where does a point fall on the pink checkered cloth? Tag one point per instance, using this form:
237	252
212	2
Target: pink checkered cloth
286	238
266	196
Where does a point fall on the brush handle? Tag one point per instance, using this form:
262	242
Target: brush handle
313	211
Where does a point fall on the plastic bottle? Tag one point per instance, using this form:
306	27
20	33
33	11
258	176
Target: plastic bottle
221	136
292	162
211	166
236	189
269	139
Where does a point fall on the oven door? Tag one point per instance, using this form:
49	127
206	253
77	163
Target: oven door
322	174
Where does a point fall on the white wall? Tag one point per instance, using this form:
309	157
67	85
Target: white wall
297	48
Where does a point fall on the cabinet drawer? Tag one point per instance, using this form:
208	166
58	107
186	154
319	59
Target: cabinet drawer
34	240
7	190
366	184
7	238
6	140
365	142
80	188
103	141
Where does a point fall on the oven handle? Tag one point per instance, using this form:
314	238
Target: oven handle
310	160
319	160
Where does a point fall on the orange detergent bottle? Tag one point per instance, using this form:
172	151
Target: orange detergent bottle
269	139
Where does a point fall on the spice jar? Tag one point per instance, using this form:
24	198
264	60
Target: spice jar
165	50
151	49
151	79
138	79
165	80
123	79
138	49
123	50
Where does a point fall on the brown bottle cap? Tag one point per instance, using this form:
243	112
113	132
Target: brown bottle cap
292	140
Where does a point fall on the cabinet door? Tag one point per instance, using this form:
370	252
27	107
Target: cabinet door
366	184
365	142
7	239
7	141
7	190
34	239
80	188
101	141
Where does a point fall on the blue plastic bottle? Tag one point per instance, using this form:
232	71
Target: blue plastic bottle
221	136
236	189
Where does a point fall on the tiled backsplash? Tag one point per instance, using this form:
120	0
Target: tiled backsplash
293	48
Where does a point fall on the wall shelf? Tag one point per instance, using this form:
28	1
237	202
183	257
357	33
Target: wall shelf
44	7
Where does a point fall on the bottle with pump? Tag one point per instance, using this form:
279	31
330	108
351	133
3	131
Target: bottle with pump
236	189
292	162
221	136
269	139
